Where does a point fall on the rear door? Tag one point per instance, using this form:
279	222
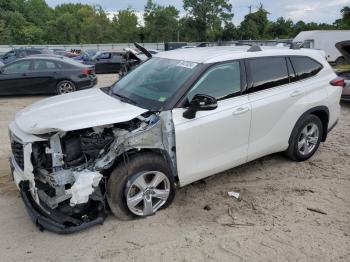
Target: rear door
277	102
117	60
214	140
42	76
103	63
15	79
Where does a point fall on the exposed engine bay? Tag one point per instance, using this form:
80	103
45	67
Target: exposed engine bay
71	169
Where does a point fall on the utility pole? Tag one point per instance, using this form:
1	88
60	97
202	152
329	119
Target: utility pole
250	9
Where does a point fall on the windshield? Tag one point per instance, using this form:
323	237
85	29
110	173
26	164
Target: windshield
151	84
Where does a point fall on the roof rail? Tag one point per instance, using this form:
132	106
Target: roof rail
254	48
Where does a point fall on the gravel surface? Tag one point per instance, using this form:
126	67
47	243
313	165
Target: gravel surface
275	220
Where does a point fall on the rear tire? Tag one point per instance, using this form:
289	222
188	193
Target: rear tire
123	187
305	138
65	87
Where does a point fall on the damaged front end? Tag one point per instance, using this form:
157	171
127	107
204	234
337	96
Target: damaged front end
62	176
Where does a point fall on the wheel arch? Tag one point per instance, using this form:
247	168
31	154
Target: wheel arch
322	112
131	152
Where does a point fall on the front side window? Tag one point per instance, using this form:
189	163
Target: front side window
17	67
151	84
221	81
305	67
268	72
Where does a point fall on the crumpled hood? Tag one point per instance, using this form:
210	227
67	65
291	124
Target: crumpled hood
78	110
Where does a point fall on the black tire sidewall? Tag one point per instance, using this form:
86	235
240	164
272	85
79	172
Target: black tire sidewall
119	179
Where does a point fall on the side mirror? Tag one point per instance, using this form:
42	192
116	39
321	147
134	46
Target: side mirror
200	103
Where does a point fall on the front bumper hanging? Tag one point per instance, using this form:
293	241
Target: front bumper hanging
55	221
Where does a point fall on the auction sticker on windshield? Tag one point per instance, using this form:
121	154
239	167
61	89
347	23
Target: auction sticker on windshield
187	64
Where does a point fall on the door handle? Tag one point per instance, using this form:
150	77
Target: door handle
296	93
240	110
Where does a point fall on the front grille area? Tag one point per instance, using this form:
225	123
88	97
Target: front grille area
17	151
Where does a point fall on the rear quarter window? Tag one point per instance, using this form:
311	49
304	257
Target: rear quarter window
305	67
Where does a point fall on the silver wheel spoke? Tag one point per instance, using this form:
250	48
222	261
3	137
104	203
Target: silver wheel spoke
157	179
135	200
148	207
301	144
141	183
313	140
312	130
161	193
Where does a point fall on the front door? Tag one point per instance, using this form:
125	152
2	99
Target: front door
14	78
214	140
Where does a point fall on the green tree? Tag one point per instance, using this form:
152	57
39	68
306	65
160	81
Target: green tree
125	26
161	22
207	16
281	28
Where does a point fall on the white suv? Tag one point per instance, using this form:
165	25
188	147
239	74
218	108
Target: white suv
179	117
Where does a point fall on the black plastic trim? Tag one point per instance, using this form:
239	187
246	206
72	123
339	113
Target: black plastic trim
310	111
332	126
43	220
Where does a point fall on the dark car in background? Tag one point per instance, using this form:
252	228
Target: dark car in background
86	55
108	61
45	75
19	53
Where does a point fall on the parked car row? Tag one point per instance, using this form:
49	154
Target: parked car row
45	75
39	71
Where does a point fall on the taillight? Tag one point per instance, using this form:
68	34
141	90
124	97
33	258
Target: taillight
338	82
88	71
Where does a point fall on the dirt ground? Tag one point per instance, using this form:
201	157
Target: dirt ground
270	223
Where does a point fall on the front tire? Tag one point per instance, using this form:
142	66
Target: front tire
305	139
140	186
65	87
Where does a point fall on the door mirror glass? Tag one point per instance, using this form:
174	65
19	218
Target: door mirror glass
200	103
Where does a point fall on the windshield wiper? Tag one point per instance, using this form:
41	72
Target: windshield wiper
125	99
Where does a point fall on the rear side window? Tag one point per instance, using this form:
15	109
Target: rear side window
43	65
305	67
268	72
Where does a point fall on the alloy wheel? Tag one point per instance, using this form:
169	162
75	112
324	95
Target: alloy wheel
65	87
308	139
147	193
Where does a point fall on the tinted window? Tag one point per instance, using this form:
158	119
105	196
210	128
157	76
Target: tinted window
105	56
268	72
222	81
18	67
305	67
42	65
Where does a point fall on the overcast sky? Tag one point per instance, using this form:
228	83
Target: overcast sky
307	10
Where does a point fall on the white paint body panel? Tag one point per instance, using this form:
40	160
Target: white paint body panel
213	141
78	110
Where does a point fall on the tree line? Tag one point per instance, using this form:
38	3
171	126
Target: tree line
34	22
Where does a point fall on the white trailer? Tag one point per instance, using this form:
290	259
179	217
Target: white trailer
324	40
